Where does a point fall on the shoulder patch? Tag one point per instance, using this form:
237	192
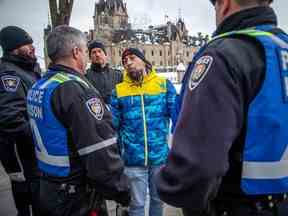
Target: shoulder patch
10	83
199	71
95	107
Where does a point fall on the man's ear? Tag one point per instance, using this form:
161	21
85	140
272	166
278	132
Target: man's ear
225	7
75	52
15	52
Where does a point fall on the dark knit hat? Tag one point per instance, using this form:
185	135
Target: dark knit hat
214	1
96	44
135	51
13	37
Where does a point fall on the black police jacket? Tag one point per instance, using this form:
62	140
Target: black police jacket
104	79
204	162
17	76
102	169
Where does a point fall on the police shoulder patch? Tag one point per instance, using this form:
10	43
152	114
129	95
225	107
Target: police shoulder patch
95	107
10	83
199	71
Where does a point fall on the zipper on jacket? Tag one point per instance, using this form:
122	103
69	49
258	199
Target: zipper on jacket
145	132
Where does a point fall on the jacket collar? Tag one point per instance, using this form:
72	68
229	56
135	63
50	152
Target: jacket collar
98	68
248	18
61	68
24	63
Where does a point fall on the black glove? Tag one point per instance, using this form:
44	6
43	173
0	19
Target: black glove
123	198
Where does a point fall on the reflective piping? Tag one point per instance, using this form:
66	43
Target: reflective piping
45	84
19	176
145	131
251	32
43	155
60	77
285	155
279	41
97	146
255	33
78	79
38	136
265	170
57	77
59	161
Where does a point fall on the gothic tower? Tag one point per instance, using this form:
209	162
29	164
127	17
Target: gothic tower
109	15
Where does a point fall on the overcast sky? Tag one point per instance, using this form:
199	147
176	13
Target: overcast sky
32	15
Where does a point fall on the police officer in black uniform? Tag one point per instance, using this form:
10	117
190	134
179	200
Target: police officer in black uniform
100	74
18	71
75	142
229	151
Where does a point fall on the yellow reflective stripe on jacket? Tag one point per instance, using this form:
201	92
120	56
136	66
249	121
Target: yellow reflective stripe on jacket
251	32
61	78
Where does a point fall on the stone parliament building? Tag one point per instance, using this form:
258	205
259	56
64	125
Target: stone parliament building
167	46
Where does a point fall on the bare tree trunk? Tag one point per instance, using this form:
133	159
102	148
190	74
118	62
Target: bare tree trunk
61	12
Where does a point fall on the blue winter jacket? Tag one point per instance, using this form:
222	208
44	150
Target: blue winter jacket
142	116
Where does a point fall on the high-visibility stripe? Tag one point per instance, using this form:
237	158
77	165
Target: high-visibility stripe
19	176
97	146
145	131
60	78
55	78
43	155
78	79
38	136
255	33
279	41
45	84
251	32
265	170
59	161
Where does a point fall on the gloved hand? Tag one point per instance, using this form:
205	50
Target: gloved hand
124	198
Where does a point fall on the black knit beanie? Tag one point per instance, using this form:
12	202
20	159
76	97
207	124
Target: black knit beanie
13	37
137	52
96	44
214	1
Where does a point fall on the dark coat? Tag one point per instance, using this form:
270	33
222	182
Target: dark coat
104	80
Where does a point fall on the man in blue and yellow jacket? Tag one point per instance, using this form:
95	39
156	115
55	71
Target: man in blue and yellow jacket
142	106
